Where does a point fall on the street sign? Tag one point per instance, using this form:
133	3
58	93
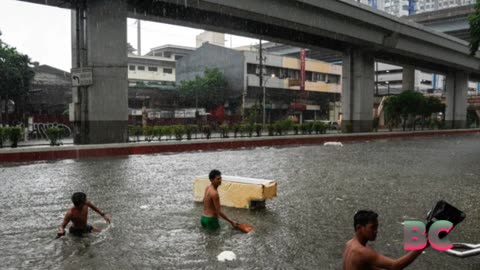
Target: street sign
82	76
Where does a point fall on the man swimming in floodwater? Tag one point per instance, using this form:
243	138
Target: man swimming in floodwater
211	204
358	256
78	215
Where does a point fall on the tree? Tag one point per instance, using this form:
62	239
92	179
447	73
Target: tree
430	105
474	21
206	92
15	75
408	105
392	110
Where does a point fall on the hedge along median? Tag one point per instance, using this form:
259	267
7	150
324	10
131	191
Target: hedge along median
107	150
11	134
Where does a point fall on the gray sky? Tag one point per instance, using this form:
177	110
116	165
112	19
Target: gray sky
43	33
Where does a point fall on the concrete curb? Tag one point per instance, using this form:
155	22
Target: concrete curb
126	149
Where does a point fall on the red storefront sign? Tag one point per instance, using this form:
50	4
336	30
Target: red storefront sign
302	70
298	106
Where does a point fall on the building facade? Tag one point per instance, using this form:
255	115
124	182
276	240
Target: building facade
151	79
281	75
402	8
51	91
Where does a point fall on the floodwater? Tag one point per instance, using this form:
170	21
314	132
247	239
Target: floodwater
155	223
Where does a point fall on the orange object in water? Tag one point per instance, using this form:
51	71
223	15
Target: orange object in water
246	228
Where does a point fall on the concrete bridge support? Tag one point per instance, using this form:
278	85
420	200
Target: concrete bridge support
456	99
357	92
408	78
99	40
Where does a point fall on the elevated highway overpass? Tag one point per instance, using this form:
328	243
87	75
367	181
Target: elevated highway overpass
451	21
362	34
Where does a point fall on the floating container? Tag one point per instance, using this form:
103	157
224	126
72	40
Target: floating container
238	192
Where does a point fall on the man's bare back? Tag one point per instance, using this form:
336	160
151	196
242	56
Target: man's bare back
79	217
353	257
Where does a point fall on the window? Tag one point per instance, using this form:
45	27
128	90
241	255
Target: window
167	54
178	57
155	69
167	70
131	67
140	67
333	78
251	68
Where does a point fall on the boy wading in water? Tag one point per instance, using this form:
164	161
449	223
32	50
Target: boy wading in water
78	215
211	204
359	256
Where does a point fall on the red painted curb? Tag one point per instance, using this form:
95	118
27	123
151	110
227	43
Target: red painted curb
85	151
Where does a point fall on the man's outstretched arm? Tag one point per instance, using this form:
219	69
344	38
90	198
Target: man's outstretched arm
381	261
90	204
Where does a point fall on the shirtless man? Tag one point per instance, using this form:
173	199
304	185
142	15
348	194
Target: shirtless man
211	204
358	256
78	215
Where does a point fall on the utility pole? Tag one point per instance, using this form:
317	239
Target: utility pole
260	79
260	65
139	40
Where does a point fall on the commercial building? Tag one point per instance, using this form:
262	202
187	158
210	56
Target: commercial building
151	79
281	76
51	91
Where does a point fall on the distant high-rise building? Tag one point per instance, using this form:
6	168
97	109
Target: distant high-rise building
210	37
409	7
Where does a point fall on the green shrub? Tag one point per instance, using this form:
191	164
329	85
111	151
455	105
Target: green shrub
168	132
179	131
249	129
286	125
319	128
3	136
224	128
278	128
136	132
271	130
54	135
14	135
237	128
158	132
296	127
258	129
148	132
303	128
309	127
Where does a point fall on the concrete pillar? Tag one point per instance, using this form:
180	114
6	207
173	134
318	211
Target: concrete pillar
408	78
357	91
456	100
102	108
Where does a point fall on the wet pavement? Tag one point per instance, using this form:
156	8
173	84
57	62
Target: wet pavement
155	223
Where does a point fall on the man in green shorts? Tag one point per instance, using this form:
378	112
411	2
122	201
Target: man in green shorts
211	203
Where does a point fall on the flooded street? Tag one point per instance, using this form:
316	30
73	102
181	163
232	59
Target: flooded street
156	224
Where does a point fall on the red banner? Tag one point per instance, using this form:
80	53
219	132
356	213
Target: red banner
302	70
